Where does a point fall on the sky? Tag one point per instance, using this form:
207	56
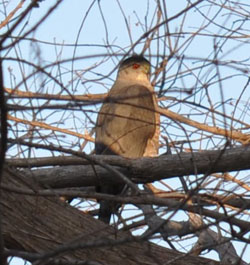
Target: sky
94	25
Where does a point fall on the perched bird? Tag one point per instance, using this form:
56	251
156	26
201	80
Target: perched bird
126	121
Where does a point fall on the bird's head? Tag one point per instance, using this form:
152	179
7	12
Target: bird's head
136	68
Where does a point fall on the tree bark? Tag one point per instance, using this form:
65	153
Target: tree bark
143	170
47	230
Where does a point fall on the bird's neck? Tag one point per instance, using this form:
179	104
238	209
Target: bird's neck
133	78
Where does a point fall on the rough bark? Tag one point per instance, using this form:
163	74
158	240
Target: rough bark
48	228
142	170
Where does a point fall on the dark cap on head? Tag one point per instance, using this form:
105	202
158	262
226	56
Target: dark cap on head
134	59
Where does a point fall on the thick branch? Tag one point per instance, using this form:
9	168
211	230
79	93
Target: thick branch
142	170
51	228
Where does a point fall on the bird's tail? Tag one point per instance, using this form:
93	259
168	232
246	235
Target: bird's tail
105	211
107	208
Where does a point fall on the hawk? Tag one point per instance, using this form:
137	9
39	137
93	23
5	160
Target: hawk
126	121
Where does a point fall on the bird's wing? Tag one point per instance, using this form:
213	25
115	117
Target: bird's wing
126	121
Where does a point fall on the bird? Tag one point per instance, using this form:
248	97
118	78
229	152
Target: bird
126	121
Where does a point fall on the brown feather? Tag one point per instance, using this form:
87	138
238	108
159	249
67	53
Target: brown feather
126	121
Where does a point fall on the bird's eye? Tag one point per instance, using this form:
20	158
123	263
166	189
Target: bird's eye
136	66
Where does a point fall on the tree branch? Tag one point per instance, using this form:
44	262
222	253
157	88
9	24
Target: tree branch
34	224
143	170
